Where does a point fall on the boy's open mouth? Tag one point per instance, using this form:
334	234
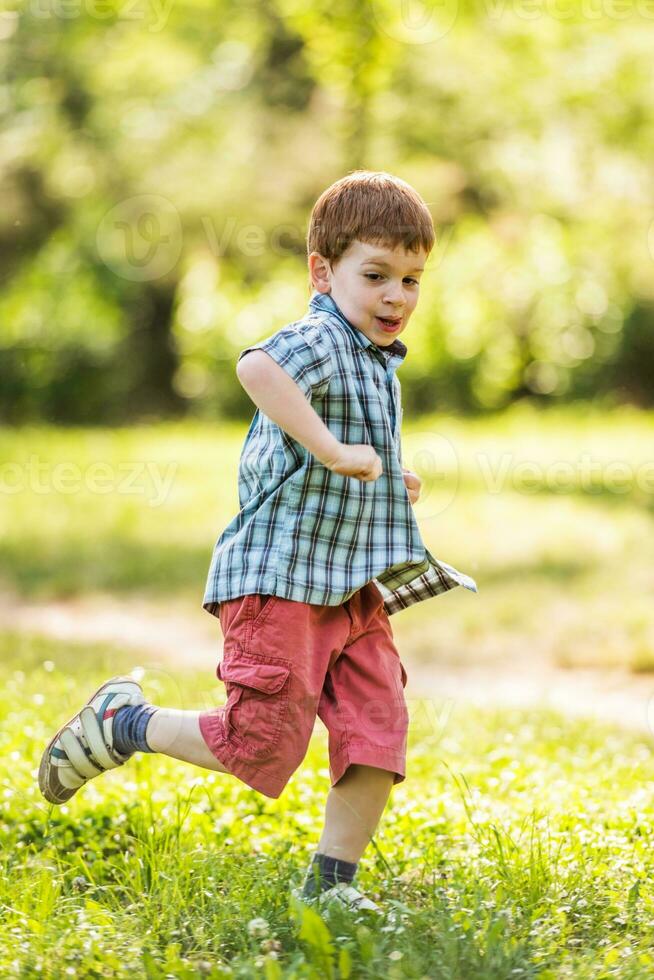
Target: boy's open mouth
390	326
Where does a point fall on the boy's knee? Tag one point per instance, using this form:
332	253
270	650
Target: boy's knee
268	730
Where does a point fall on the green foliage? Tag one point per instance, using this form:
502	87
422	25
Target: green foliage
164	161
519	845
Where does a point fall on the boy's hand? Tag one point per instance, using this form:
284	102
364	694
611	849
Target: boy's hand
360	461
413	483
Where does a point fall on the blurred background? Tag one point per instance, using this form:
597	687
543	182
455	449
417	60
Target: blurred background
158	167
159	162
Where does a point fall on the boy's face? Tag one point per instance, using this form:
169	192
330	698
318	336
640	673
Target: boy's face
375	287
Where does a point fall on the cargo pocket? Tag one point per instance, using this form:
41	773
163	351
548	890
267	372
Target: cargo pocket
257	700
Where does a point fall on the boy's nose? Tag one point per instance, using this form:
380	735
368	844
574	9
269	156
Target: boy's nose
394	294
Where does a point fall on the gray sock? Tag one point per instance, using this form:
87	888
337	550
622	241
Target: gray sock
324	872
130	724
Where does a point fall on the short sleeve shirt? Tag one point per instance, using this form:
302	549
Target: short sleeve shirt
302	531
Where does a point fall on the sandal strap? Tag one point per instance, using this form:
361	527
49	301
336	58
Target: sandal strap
69	778
95	738
76	754
349	895
87	764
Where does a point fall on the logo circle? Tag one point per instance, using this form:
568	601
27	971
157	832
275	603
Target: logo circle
415	21
140	238
433	458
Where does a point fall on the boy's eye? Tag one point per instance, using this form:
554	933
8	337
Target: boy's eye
374	276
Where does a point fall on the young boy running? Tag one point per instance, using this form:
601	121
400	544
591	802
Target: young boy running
324	549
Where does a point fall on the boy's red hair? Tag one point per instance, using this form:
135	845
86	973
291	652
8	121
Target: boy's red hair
373	207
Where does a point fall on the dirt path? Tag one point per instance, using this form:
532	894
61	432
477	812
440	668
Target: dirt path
176	635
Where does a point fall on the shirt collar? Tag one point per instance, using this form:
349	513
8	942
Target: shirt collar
324	301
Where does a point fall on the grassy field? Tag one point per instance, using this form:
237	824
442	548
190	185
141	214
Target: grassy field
520	844
550	513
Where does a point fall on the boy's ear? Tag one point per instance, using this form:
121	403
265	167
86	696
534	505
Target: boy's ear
320	272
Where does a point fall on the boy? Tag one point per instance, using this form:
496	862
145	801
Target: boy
323	550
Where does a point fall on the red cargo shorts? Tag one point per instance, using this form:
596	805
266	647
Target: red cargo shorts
284	662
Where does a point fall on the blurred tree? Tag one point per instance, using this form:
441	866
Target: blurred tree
158	168
631	370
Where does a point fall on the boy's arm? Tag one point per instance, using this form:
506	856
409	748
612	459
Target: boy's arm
275	393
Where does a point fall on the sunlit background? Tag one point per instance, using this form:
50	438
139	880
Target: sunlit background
158	165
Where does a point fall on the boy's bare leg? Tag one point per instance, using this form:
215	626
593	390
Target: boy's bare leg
354	808
177	734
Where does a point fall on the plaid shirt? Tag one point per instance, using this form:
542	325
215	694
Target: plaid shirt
304	532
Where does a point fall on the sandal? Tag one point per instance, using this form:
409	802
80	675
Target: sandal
83	747
341	893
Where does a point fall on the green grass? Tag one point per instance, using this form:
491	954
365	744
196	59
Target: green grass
497	503
520	845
